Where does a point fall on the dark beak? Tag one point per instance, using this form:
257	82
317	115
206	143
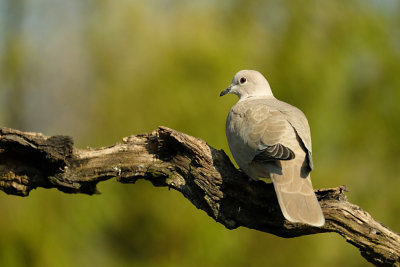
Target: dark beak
226	91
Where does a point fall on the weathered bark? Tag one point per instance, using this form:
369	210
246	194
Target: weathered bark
187	164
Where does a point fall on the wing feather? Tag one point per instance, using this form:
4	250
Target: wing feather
274	152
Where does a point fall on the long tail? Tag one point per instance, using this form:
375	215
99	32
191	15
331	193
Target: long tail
296	196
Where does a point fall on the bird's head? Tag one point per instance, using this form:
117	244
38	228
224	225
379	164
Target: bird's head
248	83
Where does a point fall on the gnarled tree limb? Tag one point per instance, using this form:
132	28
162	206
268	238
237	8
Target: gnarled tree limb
187	164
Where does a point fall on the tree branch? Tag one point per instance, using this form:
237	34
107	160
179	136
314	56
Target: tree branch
204	175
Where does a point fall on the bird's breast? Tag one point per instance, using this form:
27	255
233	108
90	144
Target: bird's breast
235	129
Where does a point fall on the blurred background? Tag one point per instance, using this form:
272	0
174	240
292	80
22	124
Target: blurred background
102	70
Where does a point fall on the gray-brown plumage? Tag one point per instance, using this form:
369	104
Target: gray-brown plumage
271	139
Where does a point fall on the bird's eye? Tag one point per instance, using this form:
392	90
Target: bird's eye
242	80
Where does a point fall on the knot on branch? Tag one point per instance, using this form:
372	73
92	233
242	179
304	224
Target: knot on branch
28	159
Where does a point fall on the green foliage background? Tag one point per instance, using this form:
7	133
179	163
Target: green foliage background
102	70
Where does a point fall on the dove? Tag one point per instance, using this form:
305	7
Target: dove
269	138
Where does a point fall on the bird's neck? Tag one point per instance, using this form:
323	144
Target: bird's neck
264	95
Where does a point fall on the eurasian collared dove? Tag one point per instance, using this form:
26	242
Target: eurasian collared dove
271	139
